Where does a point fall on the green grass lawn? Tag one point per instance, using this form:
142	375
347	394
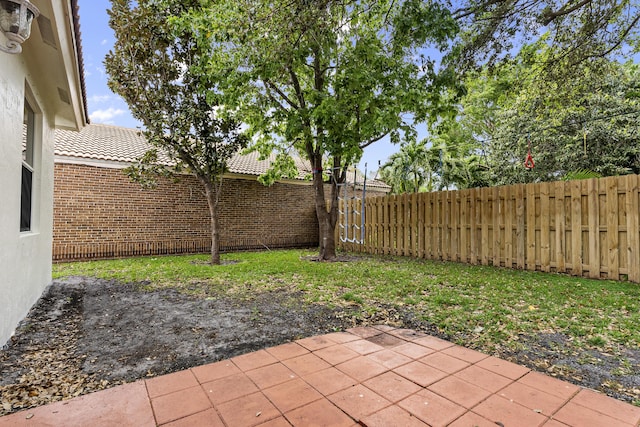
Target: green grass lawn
481	307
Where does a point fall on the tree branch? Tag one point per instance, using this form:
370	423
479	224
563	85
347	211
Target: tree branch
621	38
296	86
564	10
284	96
372	140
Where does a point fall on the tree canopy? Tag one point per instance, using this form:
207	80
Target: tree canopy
578	30
586	124
325	78
155	69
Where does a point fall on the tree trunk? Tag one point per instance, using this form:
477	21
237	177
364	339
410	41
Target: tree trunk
212	200
327	218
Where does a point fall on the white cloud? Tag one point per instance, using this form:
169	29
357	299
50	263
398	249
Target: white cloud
105	116
104	42
100	98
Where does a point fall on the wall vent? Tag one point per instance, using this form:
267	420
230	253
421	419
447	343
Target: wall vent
64	96
46	31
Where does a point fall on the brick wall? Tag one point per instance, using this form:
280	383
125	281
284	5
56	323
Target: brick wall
100	213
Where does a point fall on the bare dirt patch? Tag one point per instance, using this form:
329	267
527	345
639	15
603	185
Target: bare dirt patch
87	334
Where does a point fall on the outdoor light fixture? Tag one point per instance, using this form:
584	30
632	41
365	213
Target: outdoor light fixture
16	17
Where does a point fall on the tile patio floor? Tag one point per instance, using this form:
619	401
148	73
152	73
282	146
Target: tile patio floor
374	376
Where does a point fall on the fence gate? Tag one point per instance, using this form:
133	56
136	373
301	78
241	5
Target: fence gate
351	212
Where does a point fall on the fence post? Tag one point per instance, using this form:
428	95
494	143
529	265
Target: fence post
633	227
576	228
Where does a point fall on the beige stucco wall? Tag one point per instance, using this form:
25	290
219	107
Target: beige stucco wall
25	258
40	73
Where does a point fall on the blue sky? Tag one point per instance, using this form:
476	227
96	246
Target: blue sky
106	107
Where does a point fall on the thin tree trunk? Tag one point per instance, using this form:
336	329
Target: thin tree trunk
327	216
212	200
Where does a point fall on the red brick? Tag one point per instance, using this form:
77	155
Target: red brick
100	213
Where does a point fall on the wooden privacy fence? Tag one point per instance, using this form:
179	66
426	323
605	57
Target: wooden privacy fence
585	227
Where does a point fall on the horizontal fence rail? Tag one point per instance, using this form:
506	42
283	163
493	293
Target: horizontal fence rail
586	228
104	250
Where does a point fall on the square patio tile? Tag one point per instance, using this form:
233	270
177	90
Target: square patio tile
336	354
393	416
363	331
249	410
276	422
384	328
420	373
305	364
329	381
166	384
363	346
392	386
578	415
407	334
291	395
459	391
215	371
532	398
208	418
315	343
342	337
608	406
554	423
386	340
444	362
482	378
121	405
503	367
361	368
413	350
471	419
499	409
358	401
257	359
271	375
389	358
432	409
466	354
287	351
179	404
433	342
550	385
320	413
229	388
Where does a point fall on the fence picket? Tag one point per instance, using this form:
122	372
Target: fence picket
576	228
496	226
545	237
465	211
484	205
508	226
531	229
612	228
633	227
593	196
520	226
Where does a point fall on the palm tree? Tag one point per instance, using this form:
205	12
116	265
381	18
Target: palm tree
410	170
